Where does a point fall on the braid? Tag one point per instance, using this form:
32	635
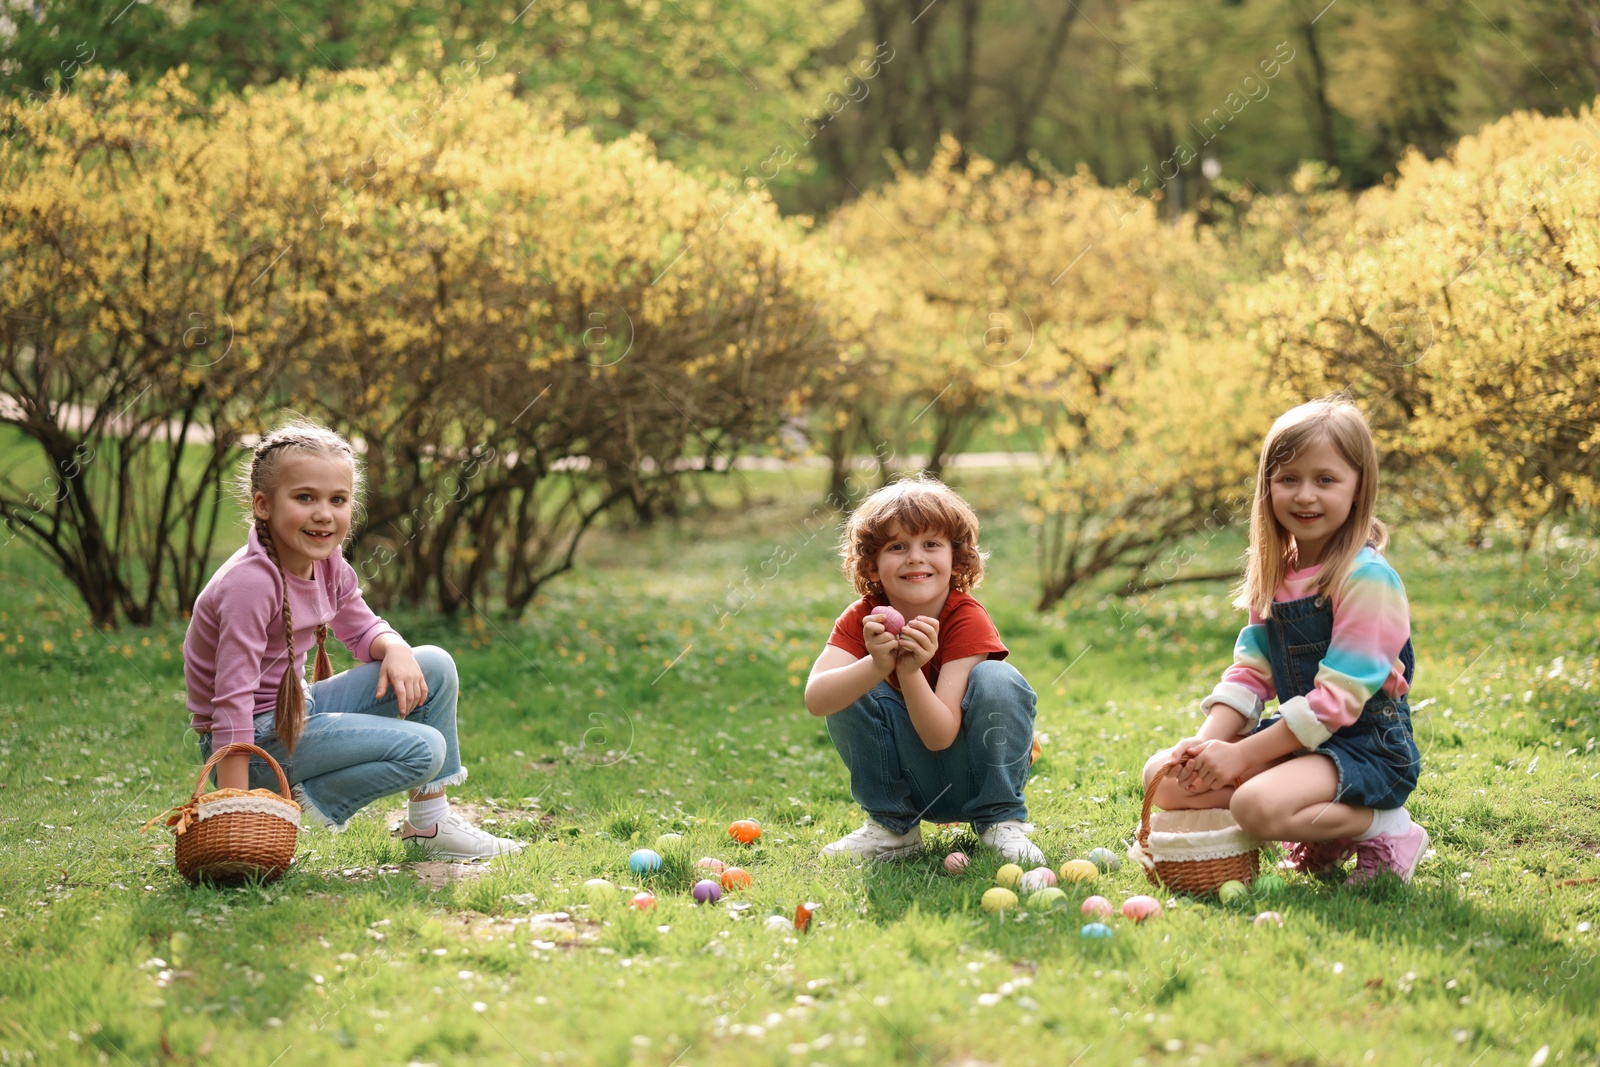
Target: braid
291	711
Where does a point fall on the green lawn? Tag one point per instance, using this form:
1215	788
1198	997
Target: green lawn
582	741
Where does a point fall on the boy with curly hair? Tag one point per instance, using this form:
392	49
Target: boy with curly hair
929	720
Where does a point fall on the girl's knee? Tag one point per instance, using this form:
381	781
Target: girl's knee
1255	811
1169	795
426	754
1152	767
438	666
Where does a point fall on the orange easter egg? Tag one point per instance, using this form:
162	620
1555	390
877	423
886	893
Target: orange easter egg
802	915
744	831
735	878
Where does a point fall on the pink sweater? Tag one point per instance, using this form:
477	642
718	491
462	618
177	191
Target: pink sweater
233	652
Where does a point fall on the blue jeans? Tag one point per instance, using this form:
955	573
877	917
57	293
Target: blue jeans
899	782
355	749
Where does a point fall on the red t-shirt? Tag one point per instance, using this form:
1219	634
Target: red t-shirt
964	630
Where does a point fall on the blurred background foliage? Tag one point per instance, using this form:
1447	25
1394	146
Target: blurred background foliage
547	261
852	86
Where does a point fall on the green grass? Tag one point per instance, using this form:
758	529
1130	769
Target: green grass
581	741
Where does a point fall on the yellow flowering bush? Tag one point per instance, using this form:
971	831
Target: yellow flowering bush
1460	305
1055	305
521	326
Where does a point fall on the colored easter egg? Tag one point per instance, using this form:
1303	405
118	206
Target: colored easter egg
643	900
1008	876
802	915
744	831
1079	871
644	860
892	620
1048	899
668	842
1231	891
707	892
1037	879
1269	918
1105	859
1269	885
1093	931
1099	907
1141	908
714	865
999	899
599	889
735	878
956	862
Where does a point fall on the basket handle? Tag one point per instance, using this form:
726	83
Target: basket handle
183	814
241	746
1149	798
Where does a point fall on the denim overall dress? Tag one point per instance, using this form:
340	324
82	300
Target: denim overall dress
1376	756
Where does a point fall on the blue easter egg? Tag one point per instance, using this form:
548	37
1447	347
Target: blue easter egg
644	860
1093	930
1105	859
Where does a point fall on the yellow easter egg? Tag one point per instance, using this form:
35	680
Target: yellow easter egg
1008	876
1079	871
999	899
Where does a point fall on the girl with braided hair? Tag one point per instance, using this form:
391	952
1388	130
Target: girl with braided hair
384	726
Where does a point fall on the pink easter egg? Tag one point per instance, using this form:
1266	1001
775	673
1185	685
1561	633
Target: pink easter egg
892	620
1141	908
1099	907
956	862
710	864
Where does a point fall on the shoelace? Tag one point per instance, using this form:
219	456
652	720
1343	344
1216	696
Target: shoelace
474	831
1374	857
1315	855
1011	830
1013	838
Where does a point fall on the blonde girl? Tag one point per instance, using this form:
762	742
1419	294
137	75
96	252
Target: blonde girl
1328	637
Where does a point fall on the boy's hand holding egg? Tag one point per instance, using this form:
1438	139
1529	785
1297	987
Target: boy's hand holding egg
892	620
882	646
918	642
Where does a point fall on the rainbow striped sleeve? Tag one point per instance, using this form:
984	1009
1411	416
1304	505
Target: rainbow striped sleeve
1371	623
1247	685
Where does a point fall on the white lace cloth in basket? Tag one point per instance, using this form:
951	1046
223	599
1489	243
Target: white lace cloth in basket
264	805
1182	836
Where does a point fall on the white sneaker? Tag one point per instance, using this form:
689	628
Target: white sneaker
1010	838
453	839
874	842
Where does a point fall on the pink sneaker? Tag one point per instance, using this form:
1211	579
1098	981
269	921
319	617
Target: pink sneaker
1398	854
1320	859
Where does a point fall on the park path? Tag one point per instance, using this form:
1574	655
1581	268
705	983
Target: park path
76	418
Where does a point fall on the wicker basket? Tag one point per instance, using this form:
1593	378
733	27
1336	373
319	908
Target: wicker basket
233	835
1193	850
